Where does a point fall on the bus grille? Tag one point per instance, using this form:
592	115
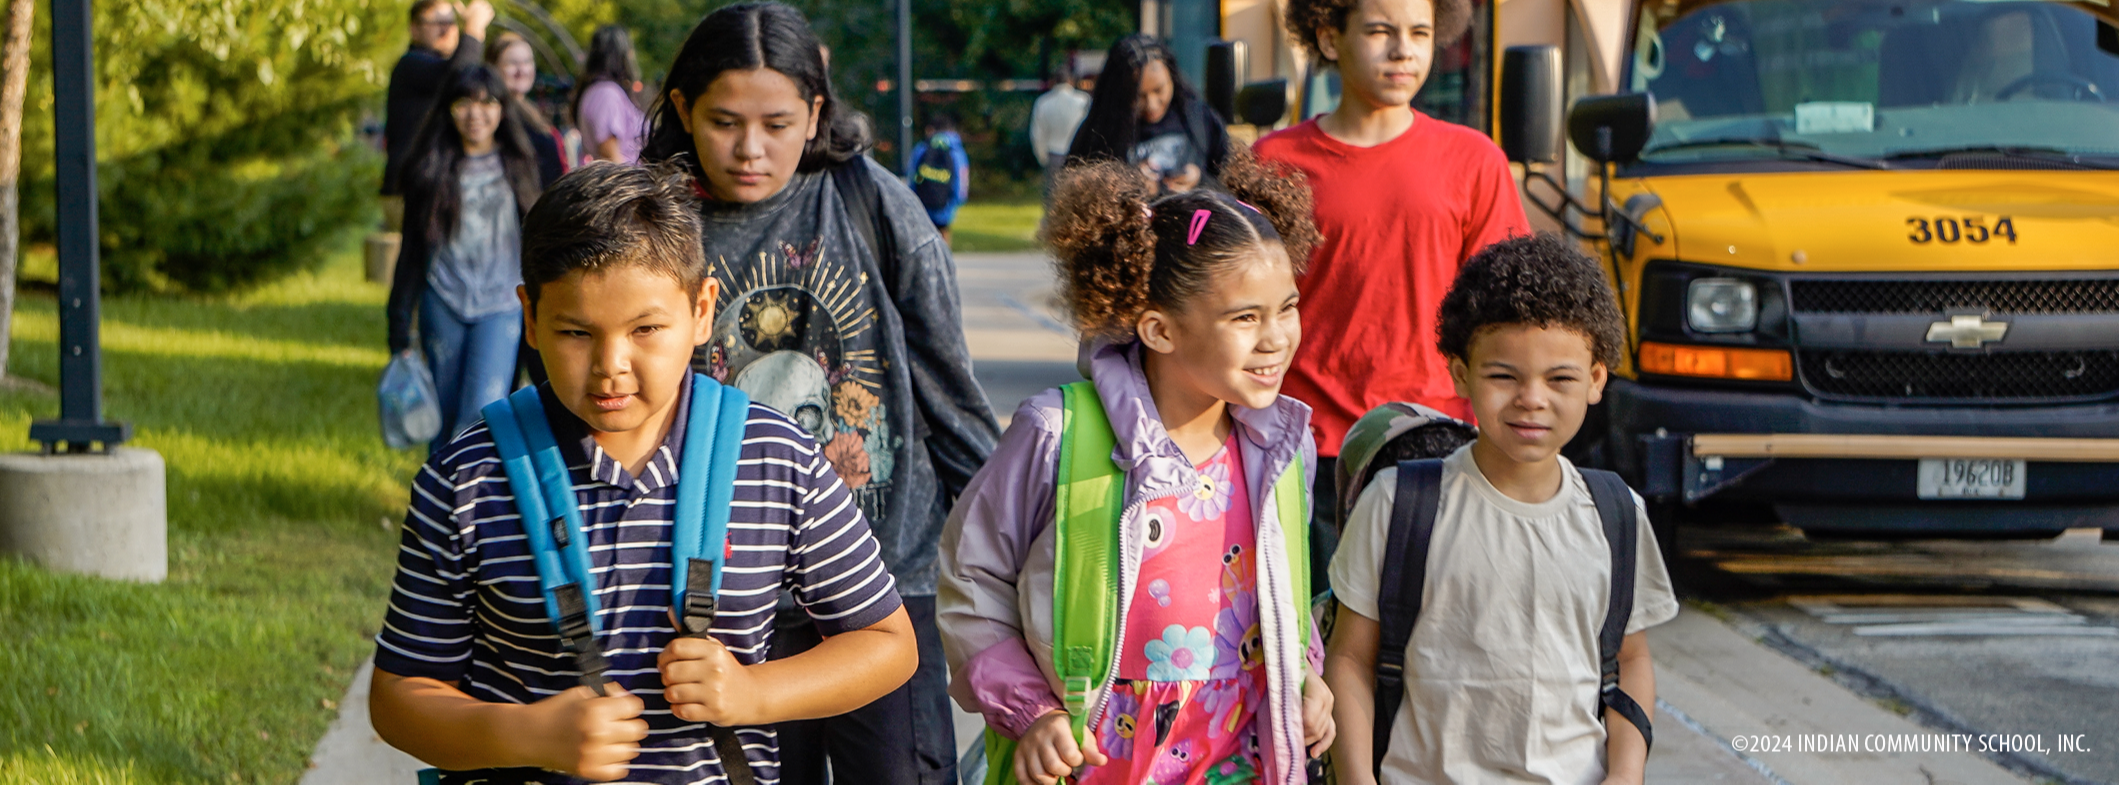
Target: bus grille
2088	295
2017	377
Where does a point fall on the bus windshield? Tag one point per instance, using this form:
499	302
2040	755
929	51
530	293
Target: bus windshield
1905	83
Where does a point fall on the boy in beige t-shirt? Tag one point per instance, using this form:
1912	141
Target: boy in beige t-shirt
1501	673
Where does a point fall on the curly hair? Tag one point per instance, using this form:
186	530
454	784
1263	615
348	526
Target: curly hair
1543	280
1121	251
1306	19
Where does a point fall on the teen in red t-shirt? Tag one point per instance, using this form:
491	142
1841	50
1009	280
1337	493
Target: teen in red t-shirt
1403	200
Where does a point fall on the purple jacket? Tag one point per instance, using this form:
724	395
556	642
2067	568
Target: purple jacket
995	595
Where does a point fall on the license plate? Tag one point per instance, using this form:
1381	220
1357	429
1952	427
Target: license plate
1971	478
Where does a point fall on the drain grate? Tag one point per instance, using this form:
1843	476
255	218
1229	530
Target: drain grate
1918	616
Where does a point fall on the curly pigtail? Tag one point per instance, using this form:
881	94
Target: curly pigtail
1098	231
1282	193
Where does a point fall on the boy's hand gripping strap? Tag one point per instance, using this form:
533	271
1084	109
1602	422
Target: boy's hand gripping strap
1088	504
1622	531
551	518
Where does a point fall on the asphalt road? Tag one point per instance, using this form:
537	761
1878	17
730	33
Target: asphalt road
2013	642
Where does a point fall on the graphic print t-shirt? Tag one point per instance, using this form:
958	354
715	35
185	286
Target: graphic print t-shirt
1165	147
802	327
476	272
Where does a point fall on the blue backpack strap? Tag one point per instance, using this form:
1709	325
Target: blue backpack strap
529	497
1399	592
706	490
542	486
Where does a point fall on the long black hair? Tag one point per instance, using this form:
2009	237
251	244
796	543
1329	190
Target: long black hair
1112	126
749	36
434	165
611	59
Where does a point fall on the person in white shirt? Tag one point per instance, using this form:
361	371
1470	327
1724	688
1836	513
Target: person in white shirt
1057	113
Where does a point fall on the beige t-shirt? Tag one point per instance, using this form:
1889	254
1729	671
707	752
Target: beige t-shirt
1501	675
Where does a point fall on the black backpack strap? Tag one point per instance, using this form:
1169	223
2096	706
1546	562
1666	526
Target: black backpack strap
1398	594
857	188
1622	530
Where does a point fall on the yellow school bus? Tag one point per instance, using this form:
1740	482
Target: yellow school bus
1868	250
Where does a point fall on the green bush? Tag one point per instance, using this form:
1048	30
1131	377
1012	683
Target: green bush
206	225
224	134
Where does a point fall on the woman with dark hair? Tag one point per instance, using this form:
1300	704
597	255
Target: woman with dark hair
838	306
611	124
469	176
510	55
1143	112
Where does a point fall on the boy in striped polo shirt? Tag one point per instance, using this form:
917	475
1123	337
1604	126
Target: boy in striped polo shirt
470	675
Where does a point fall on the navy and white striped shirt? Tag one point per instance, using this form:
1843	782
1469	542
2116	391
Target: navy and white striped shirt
467	607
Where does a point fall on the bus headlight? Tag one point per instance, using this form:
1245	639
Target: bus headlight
1721	305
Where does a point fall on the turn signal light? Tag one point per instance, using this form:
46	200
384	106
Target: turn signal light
1715	362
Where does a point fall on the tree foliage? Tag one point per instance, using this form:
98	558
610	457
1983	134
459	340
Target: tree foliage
226	129
224	134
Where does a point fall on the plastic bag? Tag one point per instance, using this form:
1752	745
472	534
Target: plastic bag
407	403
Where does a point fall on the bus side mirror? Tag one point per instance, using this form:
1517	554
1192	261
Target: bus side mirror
1226	64
1263	103
1531	104
1612	128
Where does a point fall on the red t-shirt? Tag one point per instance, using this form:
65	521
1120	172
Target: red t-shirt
1398	220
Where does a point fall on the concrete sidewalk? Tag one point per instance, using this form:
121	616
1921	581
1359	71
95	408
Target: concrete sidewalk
351	753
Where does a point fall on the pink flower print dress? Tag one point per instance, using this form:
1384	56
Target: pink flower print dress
1192	674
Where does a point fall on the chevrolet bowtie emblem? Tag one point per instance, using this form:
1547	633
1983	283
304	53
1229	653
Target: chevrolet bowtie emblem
1968	331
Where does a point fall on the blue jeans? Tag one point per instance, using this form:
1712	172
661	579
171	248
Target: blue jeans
473	362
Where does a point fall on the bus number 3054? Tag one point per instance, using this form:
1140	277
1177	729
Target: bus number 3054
1950	229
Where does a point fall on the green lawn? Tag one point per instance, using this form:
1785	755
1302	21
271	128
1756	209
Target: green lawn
996	226
283	506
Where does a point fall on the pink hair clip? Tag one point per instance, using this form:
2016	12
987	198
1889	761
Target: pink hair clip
1199	224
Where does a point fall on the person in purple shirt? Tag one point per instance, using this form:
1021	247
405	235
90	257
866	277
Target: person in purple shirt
612	126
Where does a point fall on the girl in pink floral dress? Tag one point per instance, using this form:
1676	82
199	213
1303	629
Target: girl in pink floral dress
1188	307
1191	676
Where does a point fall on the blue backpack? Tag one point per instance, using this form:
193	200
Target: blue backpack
934	175
551	516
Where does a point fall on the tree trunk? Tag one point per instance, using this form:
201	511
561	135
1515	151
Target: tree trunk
14	83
